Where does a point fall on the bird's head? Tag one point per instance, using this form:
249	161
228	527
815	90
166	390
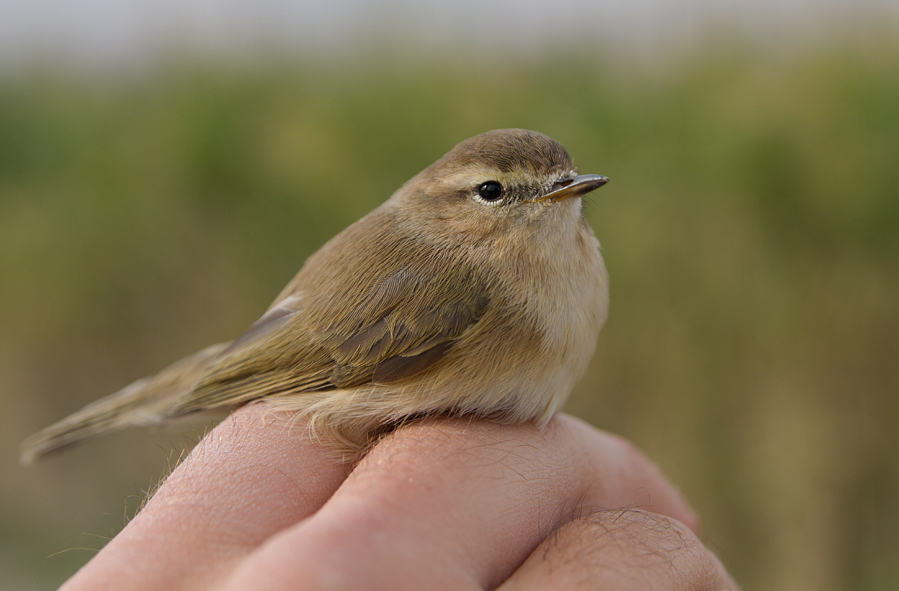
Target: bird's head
496	185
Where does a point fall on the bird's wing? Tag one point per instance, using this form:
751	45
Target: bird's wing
394	324
414	323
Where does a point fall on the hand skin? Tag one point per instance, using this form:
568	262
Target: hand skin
439	504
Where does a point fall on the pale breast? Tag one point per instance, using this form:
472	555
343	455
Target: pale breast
570	300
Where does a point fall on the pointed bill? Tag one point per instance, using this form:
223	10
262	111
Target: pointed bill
575	187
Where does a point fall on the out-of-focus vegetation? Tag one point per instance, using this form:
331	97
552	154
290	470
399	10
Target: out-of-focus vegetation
751	230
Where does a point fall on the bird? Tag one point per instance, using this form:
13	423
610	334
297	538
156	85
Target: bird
477	289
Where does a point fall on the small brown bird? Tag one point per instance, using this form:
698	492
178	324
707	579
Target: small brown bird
476	289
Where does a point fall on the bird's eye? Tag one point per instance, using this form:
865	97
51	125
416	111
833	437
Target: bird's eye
490	191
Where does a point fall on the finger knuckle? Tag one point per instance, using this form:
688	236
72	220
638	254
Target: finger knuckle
646	544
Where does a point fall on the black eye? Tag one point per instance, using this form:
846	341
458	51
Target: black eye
490	191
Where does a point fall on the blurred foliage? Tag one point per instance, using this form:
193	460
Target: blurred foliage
751	230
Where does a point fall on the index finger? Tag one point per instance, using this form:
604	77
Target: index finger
250	477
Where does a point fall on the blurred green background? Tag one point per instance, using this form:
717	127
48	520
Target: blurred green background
751	230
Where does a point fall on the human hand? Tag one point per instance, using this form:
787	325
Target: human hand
438	504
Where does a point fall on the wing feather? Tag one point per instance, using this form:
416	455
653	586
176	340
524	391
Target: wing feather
384	324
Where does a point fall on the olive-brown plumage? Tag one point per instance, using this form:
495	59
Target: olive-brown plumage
477	288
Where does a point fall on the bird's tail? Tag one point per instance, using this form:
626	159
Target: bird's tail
148	401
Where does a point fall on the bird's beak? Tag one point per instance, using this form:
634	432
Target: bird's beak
575	187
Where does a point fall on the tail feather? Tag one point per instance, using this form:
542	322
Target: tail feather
148	401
